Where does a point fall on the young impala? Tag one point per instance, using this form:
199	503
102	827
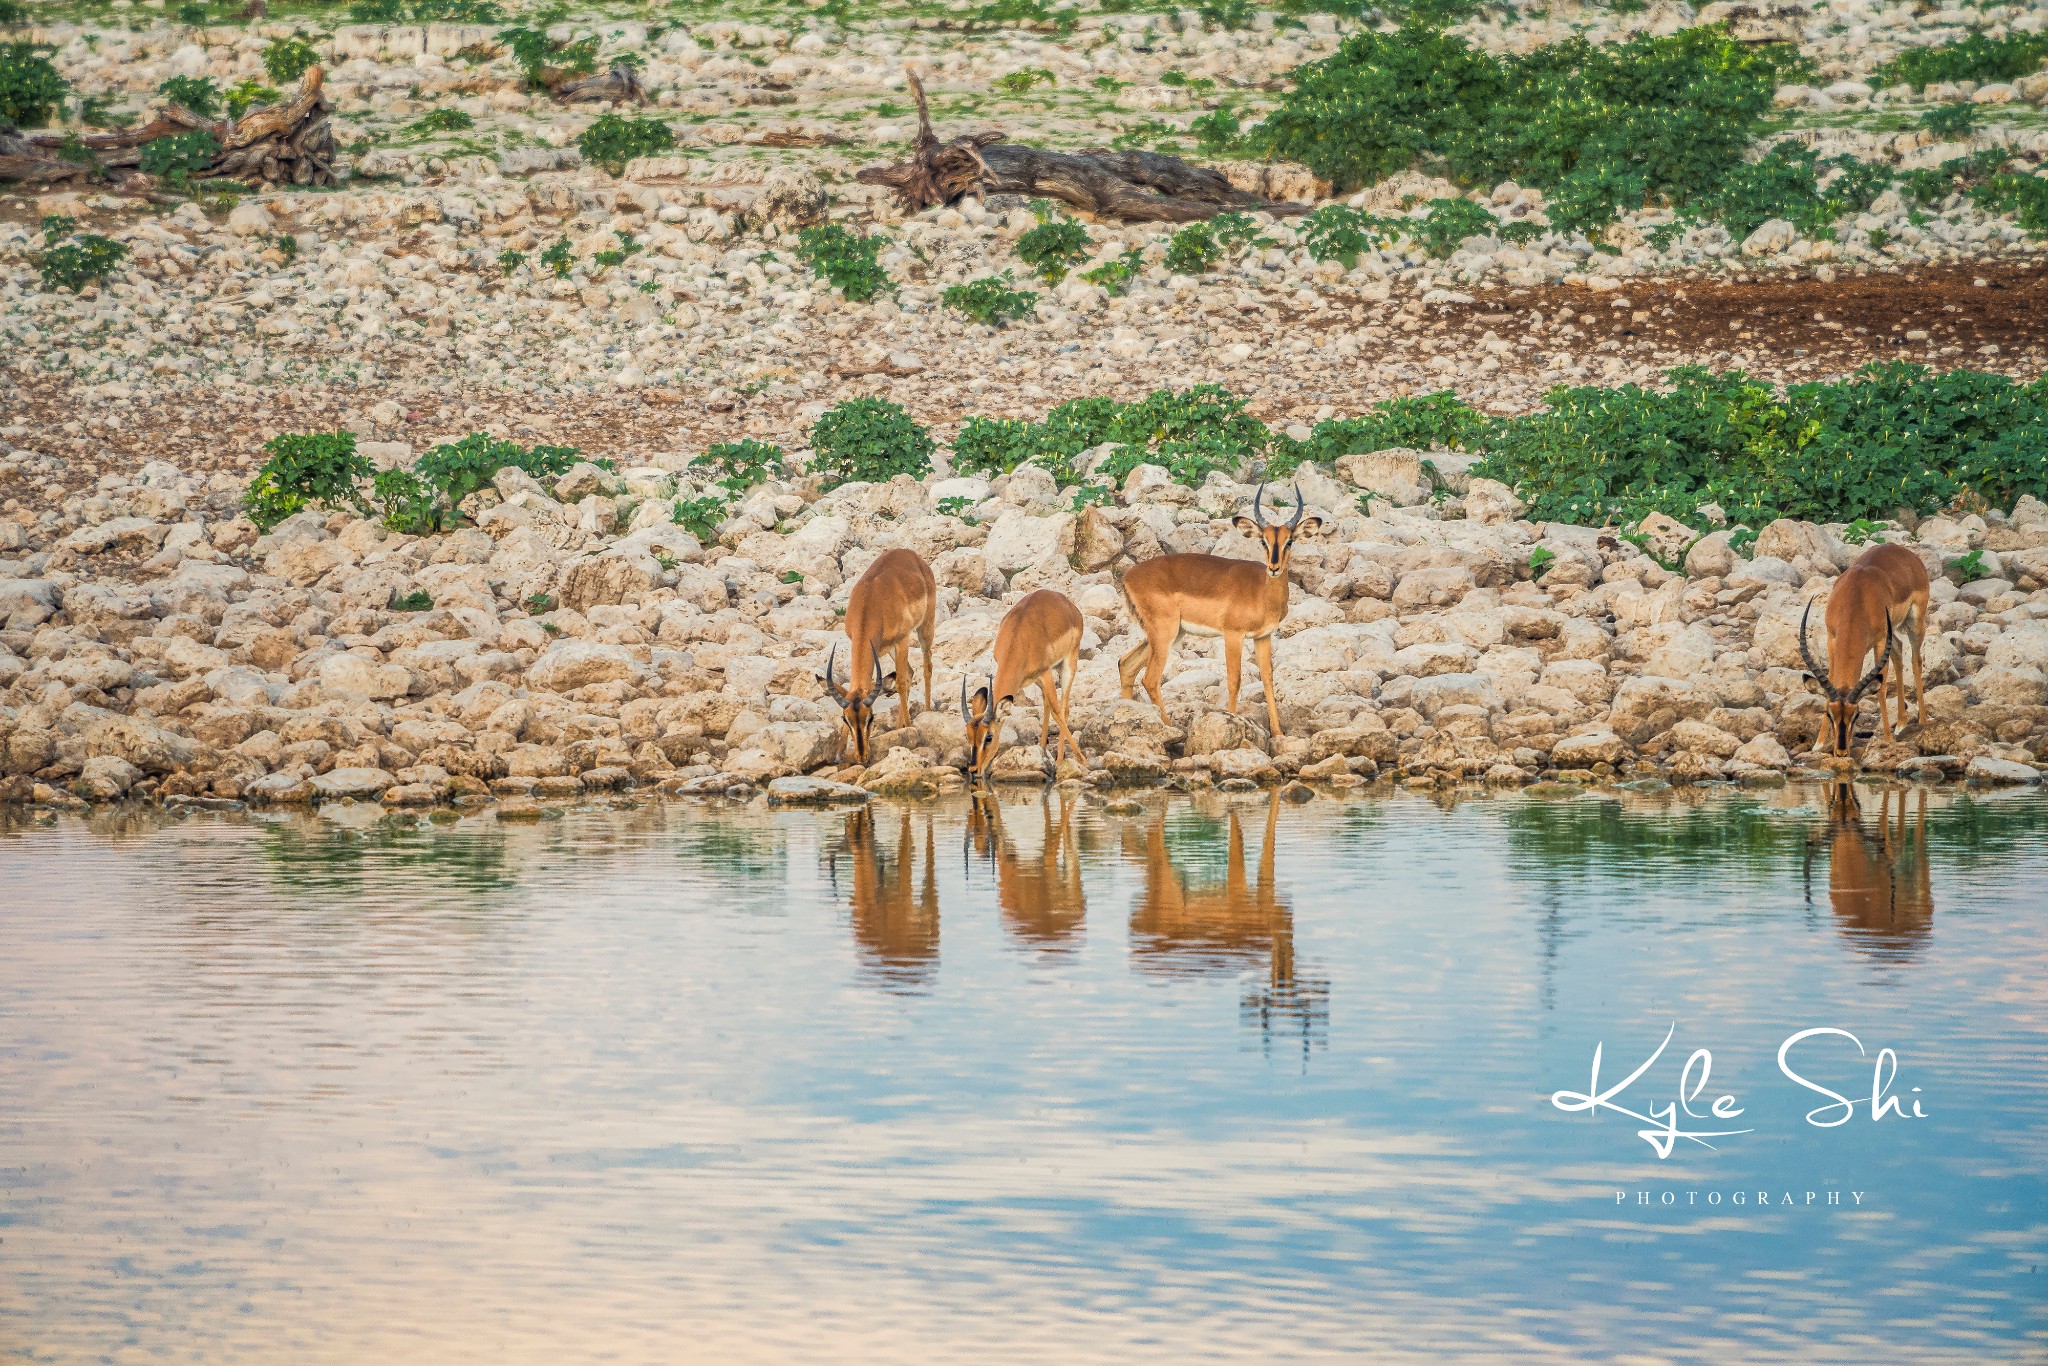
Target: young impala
1039	634
1211	595
1882	595
895	599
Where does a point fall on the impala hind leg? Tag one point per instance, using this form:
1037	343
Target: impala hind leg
924	641
1129	663
1057	706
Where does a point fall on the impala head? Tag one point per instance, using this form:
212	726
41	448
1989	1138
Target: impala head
1842	702
856	709
979	712
1276	539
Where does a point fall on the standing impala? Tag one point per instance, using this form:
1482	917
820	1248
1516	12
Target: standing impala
895	599
1039	634
1883	594
1213	595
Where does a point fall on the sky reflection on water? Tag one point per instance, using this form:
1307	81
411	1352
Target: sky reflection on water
1020	1079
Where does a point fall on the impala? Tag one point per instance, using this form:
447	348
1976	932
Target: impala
1213	595
1882	595
894	912
1040	894
895	599
1038	635
1878	884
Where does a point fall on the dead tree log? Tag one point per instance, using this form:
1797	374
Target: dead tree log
292	141
1141	187
620	85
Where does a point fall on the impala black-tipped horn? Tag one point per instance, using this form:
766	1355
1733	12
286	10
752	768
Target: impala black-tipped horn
875	688
1863	686
1299	508
1806	652
1258	514
965	715
831	684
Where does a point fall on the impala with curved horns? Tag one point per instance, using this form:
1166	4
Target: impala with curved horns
1040	634
1879	598
1214	595
896	599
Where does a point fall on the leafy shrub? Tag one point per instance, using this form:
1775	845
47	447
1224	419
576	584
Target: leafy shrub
245	95
1115	275
993	445
1238	233
535	53
700	516
990	300
1540	560
12	14
317	469
457	12
1193	250
287	59
1449	222
197	93
418	600
1055	246
510	260
1017	82
1192	434
1895	436
1786	183
869	439
1217	131
425	498
1975	58
376	11
1338	232
30	88
845	260
616	256
612	141
1439	419
740	465
1598	123
440	121
560	258
85	260
1950	120
1968	567
2023	196
180	156
193	15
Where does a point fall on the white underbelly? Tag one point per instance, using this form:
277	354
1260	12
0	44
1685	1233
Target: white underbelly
1188	628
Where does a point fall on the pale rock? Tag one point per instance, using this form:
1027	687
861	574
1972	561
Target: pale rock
363	784
106	778
1764	751
1019	540
1598	746
1491	503
569	664
354	675
1985	769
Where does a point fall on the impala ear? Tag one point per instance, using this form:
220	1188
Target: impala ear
1309	526
1246	525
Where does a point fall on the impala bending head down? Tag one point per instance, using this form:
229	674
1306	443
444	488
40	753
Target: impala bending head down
1880	599
856	705
1040	634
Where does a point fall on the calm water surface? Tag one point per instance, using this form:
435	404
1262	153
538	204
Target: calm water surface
1026	1081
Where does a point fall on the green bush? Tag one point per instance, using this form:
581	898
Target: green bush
740	465
1055	246
376	11
612	141
197	93
510	260
560	258
317	469
1895	436
1338	232
12	14
1115	275
1594	125
457	12
700	516
1191	434
441	121
426	498
181	156
845	260
1193	250
1975	58
2023	196
245	95
85	260
990	300
418	600
1951	120
1786	183
287	59
30	88
869	439
535	53
993	445
1420	423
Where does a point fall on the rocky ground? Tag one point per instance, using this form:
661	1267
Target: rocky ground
155	645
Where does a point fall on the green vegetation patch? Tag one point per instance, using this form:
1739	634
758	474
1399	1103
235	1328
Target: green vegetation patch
1975	58
869	439
844	259
30	88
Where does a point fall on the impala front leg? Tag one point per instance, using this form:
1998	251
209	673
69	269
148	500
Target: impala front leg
1233	671
903	681
1263	647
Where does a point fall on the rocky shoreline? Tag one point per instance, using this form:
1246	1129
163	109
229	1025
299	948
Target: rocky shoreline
166	650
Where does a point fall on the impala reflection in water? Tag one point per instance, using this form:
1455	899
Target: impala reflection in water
1047	1075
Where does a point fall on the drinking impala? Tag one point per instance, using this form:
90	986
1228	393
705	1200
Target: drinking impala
896	599
1038	635
1213	595
1881	596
